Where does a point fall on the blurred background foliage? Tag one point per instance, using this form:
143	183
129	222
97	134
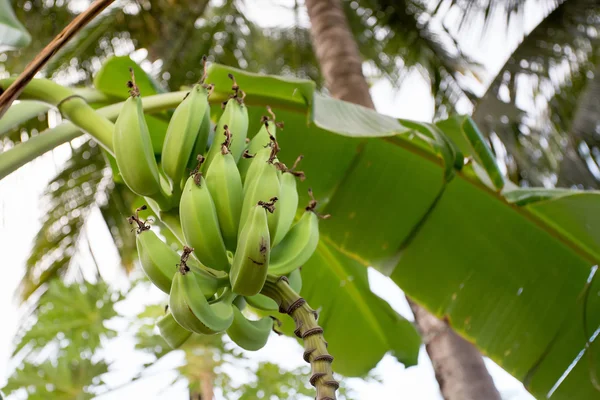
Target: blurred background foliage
540	112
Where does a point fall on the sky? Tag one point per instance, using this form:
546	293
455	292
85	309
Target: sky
20	213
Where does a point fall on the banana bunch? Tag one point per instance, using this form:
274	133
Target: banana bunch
237	213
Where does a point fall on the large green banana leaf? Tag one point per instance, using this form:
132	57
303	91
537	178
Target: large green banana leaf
511	269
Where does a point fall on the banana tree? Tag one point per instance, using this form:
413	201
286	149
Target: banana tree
511	269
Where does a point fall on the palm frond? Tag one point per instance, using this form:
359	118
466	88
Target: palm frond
401	36
475	17
115	208
546	62
68	200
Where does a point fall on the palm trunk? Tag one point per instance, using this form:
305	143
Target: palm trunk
337	52
459	367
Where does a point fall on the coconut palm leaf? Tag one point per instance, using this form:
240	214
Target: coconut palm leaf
83	184
68	199
546	62
401	36
475	16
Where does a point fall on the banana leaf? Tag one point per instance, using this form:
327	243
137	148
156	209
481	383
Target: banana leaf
512	270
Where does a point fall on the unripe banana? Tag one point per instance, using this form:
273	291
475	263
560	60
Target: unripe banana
298	245
209	283
158	260
262	302
188	303
240	303
174	334
257	166
181	311
186	132
262	184
251	259
249	335
288	200
199	223
235	117
261	140
133	147
225	186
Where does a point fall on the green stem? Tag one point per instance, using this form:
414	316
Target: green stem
12	159
71	105
307	329
25	110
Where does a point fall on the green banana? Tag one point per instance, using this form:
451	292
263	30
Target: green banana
261	140
181	311
225	186
240	302
251	259
199	223
249	335
262	302
191	309
200	146
133	147
235	117
158	260
262	184
210	281
257	166
299	244
174	334
187	132
288	201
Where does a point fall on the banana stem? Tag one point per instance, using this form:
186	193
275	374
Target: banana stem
27	151
71	105
315	346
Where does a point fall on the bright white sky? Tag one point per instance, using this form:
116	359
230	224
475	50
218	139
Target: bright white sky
20	212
